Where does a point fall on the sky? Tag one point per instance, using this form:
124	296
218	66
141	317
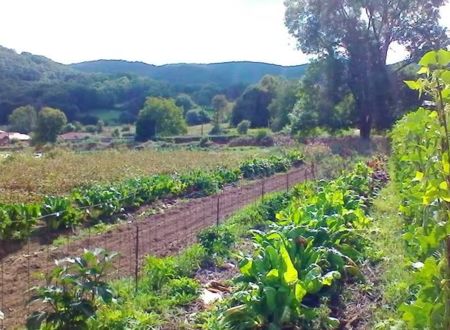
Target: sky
154	31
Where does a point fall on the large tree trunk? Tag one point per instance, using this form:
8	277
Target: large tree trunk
369	83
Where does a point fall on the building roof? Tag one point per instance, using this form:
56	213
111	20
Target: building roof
19	136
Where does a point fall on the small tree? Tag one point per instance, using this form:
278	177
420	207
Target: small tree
243	127
220	105
50	123
159	116
23	119
185	102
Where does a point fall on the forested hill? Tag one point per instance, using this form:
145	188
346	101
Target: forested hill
82	89
222	74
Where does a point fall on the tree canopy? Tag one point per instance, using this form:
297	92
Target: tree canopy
50	123
159	116
23	119
362	32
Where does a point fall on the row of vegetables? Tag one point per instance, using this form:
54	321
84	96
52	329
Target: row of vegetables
101	202
420	160
299	263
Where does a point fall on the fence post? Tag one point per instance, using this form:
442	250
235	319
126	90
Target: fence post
313	171
263	187
218	210
2	292
136	255
287	182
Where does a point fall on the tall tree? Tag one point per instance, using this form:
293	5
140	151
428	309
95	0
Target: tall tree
363	31
50	123
159	116
23	119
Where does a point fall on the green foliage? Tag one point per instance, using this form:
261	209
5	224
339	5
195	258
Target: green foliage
253	106
422	175
160	117
197	117
59	212
101	202
185	102
283	103
217	241
17	221
50	123
73	292
326	27
324	100
23	119
255	168
184	290
243	126
315	242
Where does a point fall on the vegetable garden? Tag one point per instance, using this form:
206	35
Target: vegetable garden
293	260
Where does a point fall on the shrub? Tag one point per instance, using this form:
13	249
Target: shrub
243	126
197	117
73	291
217	241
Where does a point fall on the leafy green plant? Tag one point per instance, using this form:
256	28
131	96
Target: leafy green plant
420	158
58	212
16	221
216	241
183	290
73	291
314	242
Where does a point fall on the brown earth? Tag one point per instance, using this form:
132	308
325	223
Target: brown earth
160	235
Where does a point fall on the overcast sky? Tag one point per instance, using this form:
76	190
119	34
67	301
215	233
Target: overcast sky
153	31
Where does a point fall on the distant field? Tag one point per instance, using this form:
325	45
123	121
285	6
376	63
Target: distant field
107	115
197	130
25	178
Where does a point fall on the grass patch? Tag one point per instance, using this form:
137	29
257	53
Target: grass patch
386	232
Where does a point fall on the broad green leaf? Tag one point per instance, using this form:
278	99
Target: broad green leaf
443	57
300	292
443	185
423	70
273	275
446	167
429	59
445	76
419	176
329	277
246	267
414	85
290	274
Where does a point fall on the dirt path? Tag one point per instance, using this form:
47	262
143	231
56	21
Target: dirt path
160	235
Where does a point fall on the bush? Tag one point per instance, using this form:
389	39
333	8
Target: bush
262	133
217	241
216	130
90	129
243	126
197	117
204	142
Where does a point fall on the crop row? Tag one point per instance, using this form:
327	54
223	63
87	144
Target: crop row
315	242
100	202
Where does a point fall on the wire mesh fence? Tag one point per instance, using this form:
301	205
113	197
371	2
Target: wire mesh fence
161	234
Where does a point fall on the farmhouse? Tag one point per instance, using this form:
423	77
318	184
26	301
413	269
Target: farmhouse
7	137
